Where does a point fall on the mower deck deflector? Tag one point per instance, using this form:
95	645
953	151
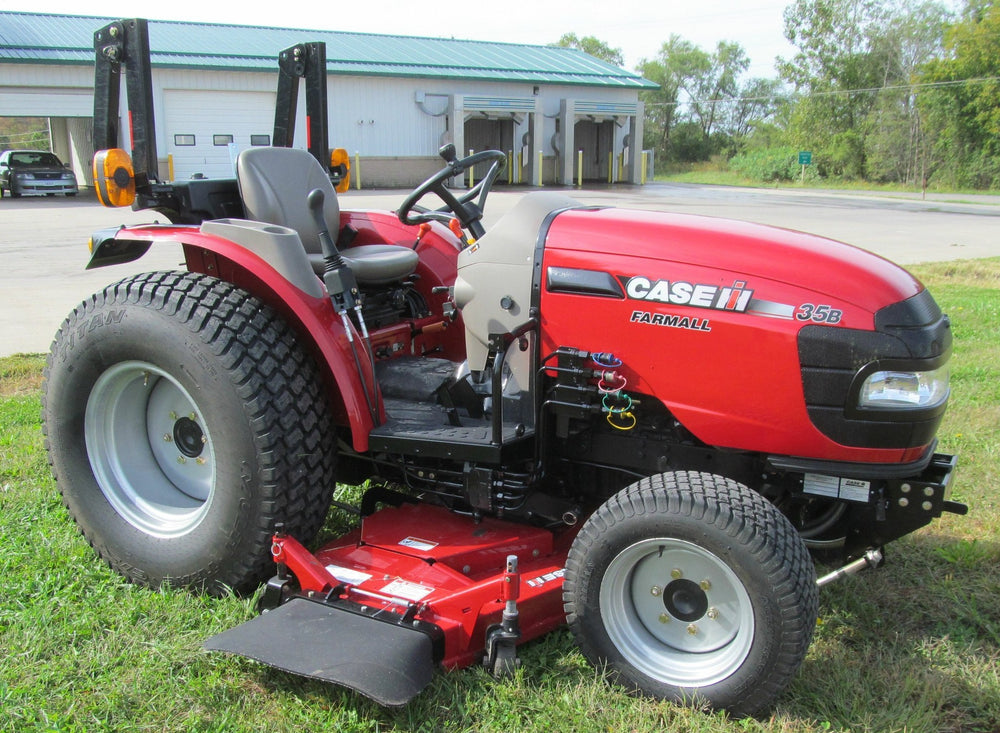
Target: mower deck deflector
387	662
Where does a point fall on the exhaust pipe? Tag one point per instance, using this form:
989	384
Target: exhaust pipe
870	559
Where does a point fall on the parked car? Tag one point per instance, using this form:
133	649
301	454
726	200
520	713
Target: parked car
27	172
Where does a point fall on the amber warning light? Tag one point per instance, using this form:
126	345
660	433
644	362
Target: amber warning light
114	177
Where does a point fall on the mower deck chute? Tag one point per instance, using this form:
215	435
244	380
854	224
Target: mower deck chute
384	661
379	609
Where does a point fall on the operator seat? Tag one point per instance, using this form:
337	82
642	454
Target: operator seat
274	184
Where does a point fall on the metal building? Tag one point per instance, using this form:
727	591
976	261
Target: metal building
393	101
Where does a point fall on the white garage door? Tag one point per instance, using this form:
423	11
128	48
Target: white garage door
25	102
200	126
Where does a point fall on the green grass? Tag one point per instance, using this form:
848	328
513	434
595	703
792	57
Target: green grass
711	173
914	646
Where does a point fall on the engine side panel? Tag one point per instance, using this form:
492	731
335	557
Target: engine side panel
708	316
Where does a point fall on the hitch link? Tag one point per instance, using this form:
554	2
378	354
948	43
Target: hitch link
501	639
870	559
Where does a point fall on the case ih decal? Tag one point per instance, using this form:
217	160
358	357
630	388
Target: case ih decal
737	299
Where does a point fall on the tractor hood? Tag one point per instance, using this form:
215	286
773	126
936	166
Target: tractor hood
635	240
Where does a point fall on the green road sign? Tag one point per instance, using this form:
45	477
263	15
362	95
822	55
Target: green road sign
805	157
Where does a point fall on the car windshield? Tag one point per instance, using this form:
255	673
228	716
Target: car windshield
37	160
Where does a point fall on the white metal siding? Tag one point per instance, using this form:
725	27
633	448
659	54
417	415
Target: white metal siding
205	114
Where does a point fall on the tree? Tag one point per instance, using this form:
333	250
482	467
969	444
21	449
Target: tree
593	46
676	70
854	72
962	109
717	86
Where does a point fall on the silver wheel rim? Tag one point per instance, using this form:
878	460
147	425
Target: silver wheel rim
150	450
676	612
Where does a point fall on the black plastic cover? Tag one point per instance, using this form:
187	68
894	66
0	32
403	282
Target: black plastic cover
387	662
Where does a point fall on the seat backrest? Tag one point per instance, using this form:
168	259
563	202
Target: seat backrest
274	184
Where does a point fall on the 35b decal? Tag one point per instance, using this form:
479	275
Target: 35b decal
818	313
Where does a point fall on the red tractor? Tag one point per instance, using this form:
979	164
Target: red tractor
637	423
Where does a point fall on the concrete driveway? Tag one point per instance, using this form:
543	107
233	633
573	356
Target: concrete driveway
43	241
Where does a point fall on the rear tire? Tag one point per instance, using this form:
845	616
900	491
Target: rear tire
693	588
182	422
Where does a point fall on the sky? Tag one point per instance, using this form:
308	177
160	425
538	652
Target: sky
638	27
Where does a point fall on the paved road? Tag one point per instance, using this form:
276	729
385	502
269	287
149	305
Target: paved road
43	241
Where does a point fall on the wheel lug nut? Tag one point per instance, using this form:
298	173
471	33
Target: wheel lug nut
692	629
172	415
200	461
705	585
204	439
664	618
676	573
168	438
655	590
182	460
713	613
192	417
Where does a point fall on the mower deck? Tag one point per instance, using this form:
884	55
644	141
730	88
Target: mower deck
379	608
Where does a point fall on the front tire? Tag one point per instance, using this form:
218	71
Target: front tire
691	587
182	422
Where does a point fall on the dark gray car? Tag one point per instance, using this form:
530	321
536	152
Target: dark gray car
27	172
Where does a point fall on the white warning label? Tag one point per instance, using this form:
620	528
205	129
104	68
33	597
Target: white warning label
835	487
405	589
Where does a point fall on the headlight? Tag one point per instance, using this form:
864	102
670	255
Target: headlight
25	176
68	177
905	389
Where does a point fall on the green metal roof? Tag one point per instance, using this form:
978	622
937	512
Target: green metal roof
68	39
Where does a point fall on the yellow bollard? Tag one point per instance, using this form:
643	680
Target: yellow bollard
579	167
643	177
472	174
539	168
357	170
170	166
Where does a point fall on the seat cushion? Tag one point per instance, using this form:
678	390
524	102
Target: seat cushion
375	264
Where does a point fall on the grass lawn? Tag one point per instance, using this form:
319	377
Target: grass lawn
914	646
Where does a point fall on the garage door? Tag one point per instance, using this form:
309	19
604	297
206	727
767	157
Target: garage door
201	127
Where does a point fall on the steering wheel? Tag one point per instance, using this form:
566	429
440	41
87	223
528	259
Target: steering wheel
465	207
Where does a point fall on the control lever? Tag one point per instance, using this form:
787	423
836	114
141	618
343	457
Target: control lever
343	289
449	153
339	279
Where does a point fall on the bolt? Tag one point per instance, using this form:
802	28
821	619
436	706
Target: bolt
168	437
692	629
204	439
705	585
676	573
200	461
928	491
713	613
664	618
903	501
465	569
905	488
113	31
536	552
172	415
182	460
193	417
927	506
655	590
